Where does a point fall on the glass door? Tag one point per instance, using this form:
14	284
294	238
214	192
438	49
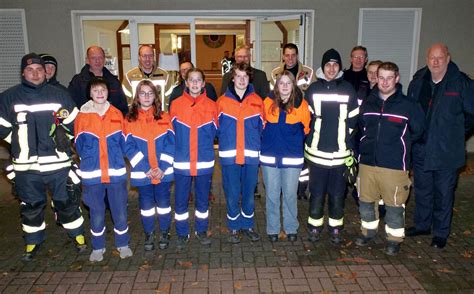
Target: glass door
272	33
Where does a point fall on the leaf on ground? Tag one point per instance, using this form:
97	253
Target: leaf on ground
355	259
467	254
445	270
347	276
194	283
306	247
342	252
238	285
348	244
5	273
38	290
467	233
224	230
75	267
115	253
204	267
186	264
145	266
455	210
282	235
209	233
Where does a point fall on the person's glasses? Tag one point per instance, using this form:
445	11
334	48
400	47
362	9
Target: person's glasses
146	94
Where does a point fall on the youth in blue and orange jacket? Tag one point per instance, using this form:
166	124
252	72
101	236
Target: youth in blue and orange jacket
194	118
241	113
100	143
287	120
150	129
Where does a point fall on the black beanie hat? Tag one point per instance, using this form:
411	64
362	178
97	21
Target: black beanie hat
31	58
331	55
49	59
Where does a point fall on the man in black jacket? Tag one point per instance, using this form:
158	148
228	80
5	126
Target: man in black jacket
446	96
390	123
258	77
95	68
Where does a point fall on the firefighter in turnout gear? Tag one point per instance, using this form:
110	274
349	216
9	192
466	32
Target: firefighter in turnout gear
27	113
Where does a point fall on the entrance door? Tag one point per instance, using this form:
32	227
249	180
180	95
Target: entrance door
272	33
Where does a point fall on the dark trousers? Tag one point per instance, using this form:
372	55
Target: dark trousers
202	186
434	198
30	187
330	181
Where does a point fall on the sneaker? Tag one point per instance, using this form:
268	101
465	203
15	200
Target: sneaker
97	255
125	252
336	238
203	238
251	234
164	239
234	237
392	248
363	241
150	241
182	242
30	252
273	237
314	235
292	237
80	243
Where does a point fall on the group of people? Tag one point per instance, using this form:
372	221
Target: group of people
313	125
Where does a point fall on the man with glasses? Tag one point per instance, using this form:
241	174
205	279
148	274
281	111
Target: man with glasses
258	78
357	74
147	69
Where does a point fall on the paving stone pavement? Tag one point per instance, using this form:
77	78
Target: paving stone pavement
292	267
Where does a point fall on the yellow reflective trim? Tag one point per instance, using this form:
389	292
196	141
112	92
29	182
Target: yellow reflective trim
315	222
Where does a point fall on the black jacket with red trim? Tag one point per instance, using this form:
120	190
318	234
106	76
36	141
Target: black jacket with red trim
389	128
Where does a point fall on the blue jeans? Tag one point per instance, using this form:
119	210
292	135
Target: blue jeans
94	198
239	180
155	198
277	181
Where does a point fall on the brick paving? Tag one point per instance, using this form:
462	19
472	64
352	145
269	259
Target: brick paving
292	267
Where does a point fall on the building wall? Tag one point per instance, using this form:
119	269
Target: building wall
335	23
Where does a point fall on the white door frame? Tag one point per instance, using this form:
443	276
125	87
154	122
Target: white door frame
184	16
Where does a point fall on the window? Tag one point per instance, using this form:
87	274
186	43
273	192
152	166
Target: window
13	45
392	34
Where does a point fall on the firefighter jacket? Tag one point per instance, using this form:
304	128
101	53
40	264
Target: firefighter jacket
334	116
27	113
155	139
100	143
304	77
240	126
195	124
284	134
159	77
389	128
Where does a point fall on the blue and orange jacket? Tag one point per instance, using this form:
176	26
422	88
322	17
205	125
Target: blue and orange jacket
195	124
155	139
284	134
240	126
100	143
